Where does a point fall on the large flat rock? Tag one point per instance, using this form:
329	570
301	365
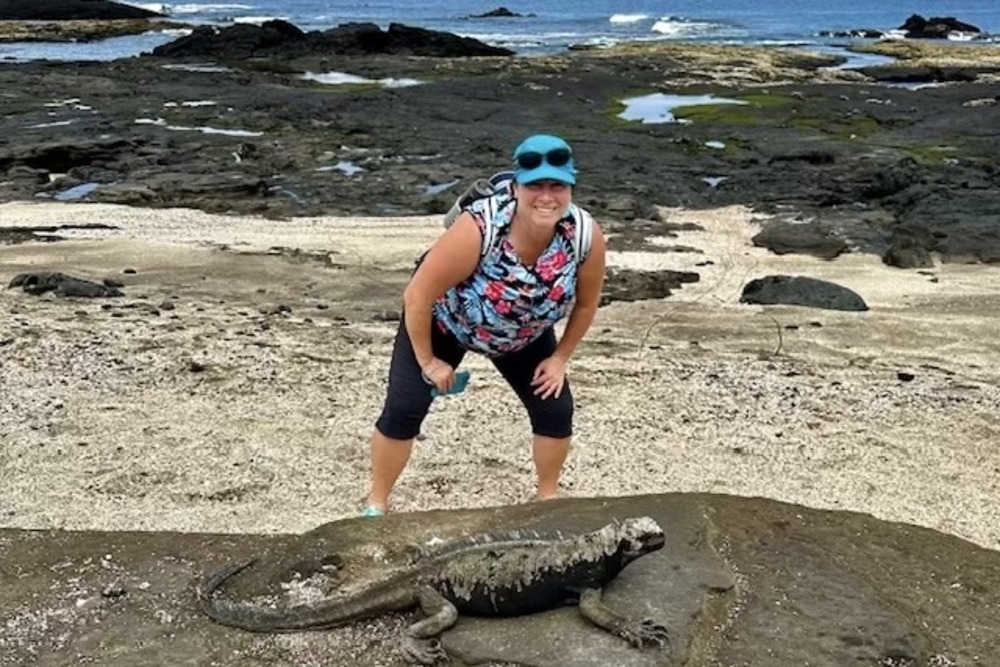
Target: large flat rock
741	581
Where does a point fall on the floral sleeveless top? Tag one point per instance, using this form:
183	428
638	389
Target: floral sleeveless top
504	305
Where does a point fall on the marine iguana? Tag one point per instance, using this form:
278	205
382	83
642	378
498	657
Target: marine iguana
502	574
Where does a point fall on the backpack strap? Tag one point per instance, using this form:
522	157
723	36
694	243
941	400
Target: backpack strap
584	238
496	218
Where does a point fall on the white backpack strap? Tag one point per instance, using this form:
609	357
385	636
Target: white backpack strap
496	216
584	238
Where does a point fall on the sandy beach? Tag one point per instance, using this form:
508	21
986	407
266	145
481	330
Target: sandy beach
234	387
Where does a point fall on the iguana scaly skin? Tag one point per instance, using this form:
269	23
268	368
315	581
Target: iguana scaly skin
504	574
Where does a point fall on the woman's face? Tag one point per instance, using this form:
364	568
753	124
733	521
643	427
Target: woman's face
543	202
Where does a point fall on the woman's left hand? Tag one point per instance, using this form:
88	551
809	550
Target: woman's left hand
550	376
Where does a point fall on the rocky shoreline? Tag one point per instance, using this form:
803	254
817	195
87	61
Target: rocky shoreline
865	158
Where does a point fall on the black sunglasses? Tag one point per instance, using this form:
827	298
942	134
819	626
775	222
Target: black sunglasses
557	157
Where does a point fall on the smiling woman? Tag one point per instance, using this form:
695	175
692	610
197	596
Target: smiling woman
499	298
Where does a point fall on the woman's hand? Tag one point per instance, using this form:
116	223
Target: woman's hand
439	373
550	376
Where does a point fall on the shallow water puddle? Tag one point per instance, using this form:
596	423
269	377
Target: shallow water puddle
343	78
203	68
656	108
432	190
159	122
348	168
75	192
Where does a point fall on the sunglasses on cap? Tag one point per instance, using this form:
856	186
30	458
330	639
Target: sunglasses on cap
557	157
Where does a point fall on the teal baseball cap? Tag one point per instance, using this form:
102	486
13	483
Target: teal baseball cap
544	157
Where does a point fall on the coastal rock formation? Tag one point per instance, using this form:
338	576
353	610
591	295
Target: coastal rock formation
936	27
808	239
915	27
909	248
61	284
282	40
499	12
849	157
739	581
70	10
78	31
801	291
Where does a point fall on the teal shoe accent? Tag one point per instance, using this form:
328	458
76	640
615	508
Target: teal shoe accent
371	511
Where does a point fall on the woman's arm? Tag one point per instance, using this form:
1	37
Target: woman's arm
452	259
589	284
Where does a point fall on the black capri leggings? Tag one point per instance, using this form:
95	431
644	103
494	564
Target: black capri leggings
409	397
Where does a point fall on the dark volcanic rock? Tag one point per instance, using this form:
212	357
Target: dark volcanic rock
61	156
936	27
282	40
891	74
61	284
801	291
909	248
855	158
69	10
813	239
741	581
629	285
499	12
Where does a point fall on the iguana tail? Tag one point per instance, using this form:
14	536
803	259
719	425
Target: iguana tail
391	596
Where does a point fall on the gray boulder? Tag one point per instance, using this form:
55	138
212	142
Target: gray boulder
808	239
801	291
61	284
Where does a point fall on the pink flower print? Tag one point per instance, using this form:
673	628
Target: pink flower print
503	307
482	333
494	290
550	265
525	332
559	259
556	293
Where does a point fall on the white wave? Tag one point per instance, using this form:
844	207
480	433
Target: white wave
158	7
205	9
782	42
628	18
258	20
671	26
527	39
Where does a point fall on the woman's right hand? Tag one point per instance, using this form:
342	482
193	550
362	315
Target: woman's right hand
440	374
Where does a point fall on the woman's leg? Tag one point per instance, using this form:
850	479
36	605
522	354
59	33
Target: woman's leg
551	418
549	454
407	401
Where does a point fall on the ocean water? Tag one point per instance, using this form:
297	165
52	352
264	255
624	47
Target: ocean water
548	27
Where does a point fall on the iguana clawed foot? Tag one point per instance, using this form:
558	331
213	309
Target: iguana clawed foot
645	633
423	651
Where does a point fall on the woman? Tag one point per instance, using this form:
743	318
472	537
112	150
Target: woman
502	303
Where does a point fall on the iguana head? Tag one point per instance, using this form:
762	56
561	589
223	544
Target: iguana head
638	536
